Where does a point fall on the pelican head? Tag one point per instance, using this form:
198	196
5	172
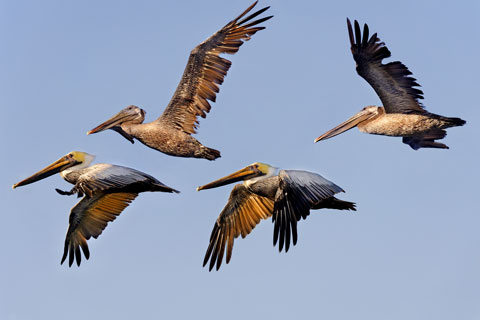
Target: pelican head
250	173
367	114
130	115
74	160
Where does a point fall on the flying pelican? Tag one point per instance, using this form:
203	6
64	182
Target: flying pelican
106	189
205	70
402	115
285	195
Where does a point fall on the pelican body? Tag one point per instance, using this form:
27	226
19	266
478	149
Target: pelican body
285	195
205	71
106	190
402	115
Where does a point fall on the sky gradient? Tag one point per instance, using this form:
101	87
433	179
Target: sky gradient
411	251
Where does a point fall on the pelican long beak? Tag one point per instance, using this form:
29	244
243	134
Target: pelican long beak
114	121
243	174
59	165
347	125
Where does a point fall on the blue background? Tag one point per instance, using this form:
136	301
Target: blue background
411	251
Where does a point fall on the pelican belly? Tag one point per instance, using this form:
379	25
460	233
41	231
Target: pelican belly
165	139
400	125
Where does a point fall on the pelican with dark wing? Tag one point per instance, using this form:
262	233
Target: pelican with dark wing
106	189
402	114
205	71
285	195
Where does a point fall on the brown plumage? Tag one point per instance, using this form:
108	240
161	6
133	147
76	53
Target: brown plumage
204	73
402	113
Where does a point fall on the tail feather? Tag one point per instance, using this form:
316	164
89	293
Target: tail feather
455	122
334	203
208	153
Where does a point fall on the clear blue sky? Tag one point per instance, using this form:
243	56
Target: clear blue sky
411	251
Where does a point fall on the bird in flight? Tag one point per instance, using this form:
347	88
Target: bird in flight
172	132
402	114
285	195
106	190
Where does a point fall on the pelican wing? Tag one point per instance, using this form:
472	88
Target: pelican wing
241	214
88	218
206	70
391	81
298	192
102	177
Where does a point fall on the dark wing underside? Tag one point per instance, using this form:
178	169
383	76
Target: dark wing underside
241	214
89	218
298	192
206	70
391	81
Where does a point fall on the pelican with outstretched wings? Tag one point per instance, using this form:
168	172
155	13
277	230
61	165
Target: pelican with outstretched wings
402	114
106	189
204	73
285	195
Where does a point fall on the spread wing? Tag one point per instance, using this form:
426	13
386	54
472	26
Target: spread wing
88	218
242	213
206	70
108	189
298	192
391	81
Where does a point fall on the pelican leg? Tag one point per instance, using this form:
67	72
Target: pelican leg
66	193
419	142
427	139
433	144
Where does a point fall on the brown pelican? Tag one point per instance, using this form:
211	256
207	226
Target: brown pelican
106	189
402	115
285	195
205	70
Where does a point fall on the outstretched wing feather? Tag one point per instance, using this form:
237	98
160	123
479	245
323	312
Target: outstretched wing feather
241	214
298	192
89	217
206	70
392	81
